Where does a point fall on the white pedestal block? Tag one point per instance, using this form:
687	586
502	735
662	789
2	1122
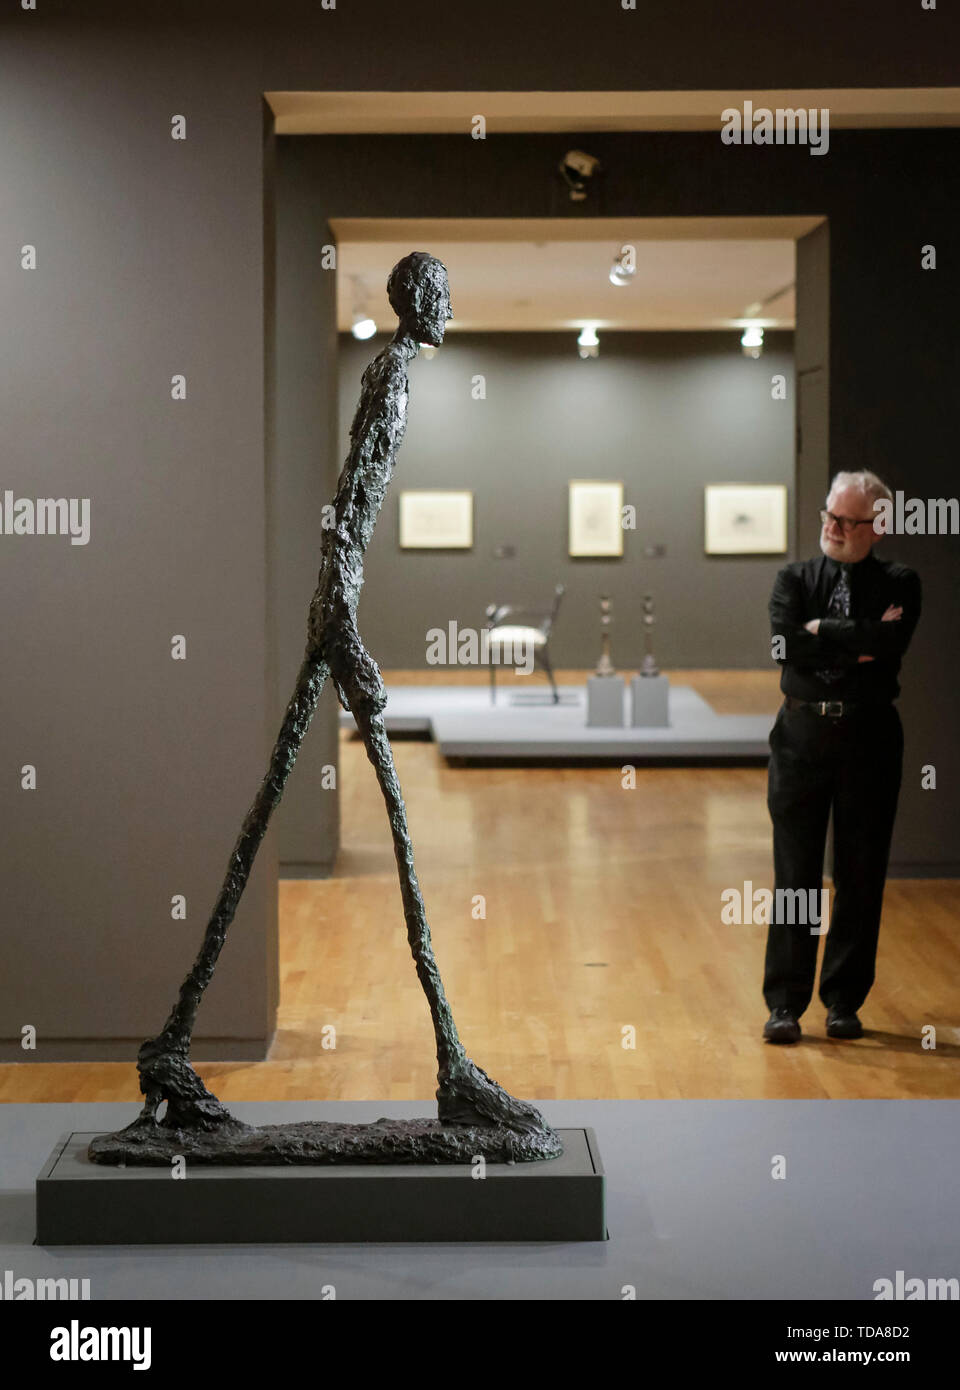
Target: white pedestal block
649	702
605	702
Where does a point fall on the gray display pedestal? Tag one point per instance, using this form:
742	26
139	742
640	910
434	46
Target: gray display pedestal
84	1203
605	702
650	702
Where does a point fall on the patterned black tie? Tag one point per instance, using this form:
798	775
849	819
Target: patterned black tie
838	607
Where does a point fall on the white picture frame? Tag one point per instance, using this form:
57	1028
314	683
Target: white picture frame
435	519
595	517
745	519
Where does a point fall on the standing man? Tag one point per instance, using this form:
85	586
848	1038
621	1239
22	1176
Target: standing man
840	625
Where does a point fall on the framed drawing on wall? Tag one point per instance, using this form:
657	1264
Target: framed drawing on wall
745	519
432	520
596	509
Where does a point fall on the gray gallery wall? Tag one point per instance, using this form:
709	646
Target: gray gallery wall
151	262
302	464
665	413
869	394
811	352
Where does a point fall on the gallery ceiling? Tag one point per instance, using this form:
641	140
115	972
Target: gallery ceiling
553	274
441	113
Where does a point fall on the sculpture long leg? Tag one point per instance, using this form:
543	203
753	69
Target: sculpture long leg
373	733
466	1094
165	1073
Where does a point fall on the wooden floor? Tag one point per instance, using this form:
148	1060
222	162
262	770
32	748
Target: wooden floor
602	914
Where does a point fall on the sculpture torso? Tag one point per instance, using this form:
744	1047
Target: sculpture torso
375	437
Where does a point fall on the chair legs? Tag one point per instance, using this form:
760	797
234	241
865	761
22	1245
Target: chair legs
545	661
542	659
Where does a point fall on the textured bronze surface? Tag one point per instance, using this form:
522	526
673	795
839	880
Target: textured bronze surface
319	1141
471	1106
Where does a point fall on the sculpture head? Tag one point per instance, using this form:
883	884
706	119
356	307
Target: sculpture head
420	297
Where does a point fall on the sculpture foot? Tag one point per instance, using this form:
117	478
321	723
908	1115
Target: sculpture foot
166	1075
468	1096
192	1111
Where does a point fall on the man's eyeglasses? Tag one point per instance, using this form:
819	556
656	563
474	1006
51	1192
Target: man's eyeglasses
847	524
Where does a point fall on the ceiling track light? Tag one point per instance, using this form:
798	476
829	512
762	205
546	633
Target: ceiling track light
363	325
624	266
751	340
588	344
579	171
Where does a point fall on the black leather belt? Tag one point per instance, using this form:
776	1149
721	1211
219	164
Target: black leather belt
832	709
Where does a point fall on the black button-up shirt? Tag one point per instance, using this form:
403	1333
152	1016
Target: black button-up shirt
802	591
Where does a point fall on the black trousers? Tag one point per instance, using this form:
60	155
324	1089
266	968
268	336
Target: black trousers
852	766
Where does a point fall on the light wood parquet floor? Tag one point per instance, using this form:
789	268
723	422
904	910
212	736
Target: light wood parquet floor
602	914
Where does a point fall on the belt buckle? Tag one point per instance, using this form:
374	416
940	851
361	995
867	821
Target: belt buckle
832	708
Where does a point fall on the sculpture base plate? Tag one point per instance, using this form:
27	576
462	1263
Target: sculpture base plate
235	1144
80	1202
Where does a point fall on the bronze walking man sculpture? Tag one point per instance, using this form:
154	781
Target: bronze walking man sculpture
476	1116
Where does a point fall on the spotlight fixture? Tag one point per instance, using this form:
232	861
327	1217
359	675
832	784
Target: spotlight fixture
752	340
577	169
588	344
624	267
363	325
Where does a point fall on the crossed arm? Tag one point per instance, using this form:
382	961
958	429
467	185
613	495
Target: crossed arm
840	642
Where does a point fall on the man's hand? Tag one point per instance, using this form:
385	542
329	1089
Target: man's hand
893	614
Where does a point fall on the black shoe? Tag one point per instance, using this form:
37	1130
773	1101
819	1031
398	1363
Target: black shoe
782	1027
843	1023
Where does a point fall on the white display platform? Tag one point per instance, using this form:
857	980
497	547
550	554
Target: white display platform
524	723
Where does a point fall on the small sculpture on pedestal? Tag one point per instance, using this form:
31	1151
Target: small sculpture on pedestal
650	691
605	689
605	666
649	666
